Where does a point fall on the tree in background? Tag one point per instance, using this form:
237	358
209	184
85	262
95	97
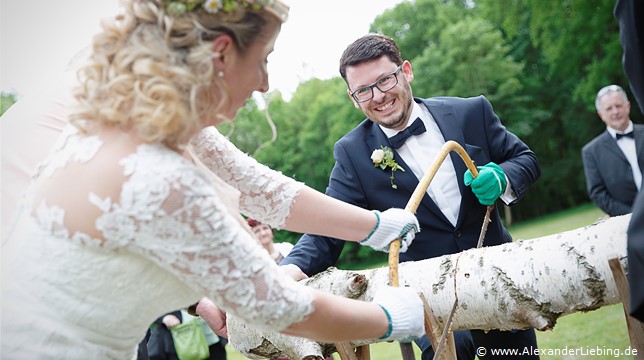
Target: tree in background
571	49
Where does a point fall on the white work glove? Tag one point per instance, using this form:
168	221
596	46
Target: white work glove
392	224
405	311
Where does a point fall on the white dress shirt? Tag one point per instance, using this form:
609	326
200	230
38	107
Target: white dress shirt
420	151
627	145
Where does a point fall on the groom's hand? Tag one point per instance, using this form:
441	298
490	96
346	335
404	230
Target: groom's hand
489	185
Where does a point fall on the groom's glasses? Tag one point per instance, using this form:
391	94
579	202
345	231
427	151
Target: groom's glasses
383	84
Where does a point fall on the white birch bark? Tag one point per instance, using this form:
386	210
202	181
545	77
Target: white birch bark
524	284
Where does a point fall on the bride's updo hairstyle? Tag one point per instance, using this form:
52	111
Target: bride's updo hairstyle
151	68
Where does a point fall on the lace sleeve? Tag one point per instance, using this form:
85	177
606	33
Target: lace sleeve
169	213
266	195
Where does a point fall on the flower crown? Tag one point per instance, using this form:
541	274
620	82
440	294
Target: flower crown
181	7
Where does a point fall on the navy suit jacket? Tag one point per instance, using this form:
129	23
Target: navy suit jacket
472	123
609	177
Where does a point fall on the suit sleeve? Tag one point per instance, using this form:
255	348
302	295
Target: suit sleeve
315	253
508	151
597	190
630	13
635	252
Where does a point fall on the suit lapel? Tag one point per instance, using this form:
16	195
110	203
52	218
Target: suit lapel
611	145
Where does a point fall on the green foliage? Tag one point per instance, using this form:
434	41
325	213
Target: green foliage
471	59
6	100
554	223
417	24
307	127
603	329
251	129
570	50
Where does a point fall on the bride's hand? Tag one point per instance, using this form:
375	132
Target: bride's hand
170	321
294	272
214	317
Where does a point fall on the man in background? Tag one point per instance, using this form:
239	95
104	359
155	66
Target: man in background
614	159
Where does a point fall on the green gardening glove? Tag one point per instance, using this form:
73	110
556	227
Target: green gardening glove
489	185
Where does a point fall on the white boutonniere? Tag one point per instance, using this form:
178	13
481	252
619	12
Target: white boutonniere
384	158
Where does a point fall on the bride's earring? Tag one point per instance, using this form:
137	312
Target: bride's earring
217	55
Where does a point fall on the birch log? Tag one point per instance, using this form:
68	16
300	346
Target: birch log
524	284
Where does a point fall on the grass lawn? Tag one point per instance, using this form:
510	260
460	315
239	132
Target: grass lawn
600	330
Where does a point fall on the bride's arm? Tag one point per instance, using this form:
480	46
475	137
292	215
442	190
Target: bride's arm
266	195
334	319
315	213
193	237
281	202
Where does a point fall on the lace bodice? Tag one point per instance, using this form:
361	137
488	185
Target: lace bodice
159	238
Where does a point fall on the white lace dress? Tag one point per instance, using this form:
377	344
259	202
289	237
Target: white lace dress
161	242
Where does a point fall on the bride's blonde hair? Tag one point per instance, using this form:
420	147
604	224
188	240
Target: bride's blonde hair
153	73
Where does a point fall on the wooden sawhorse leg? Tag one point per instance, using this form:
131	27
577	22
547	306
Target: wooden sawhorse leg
635	327
347	352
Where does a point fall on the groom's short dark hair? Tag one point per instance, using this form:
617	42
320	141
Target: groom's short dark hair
367	48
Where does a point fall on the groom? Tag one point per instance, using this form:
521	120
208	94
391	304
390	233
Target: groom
379	164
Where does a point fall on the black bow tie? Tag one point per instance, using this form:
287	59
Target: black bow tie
416	128
619	136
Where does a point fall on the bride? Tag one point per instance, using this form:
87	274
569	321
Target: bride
119	227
